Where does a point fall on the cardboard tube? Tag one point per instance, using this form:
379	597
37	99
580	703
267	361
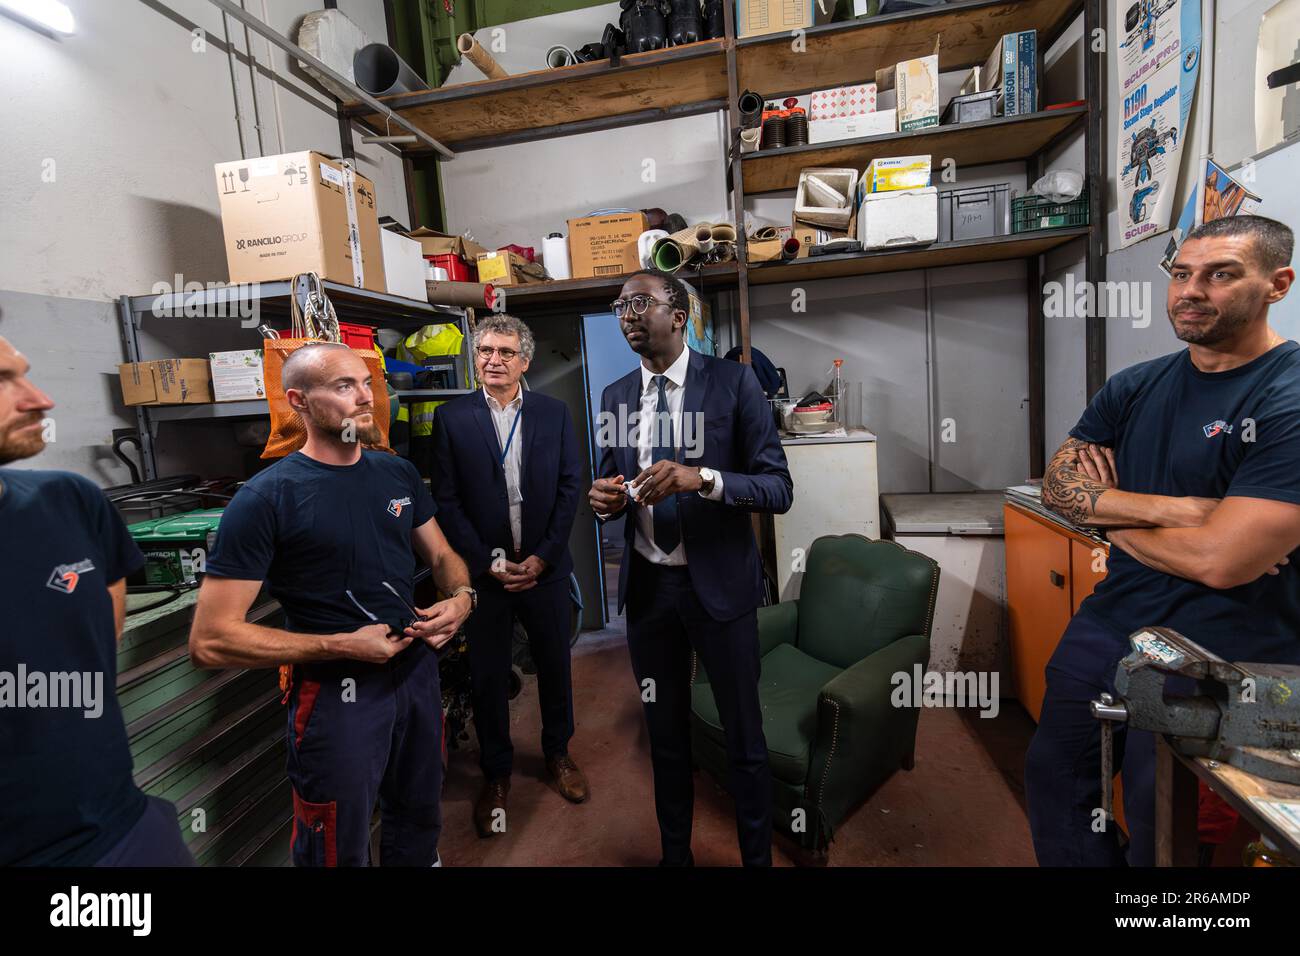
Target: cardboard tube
704	237
473	295
473	51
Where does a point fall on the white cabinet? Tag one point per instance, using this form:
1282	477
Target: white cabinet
836	491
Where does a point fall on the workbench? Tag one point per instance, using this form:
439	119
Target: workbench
1253	797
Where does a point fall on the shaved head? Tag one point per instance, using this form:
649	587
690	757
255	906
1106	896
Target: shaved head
306	367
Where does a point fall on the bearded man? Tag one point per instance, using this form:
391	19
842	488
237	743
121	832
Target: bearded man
1190	463
334	531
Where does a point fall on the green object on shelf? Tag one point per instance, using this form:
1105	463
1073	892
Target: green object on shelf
175	547
1031	213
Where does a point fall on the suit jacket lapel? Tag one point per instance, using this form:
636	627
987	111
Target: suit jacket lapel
484	419
629	397
697	384
528	435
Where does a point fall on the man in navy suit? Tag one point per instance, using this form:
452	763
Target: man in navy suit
507	476
689	451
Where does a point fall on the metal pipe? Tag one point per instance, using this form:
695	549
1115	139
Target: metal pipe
234	88
558	56
275	87
289	46
257	105
379	70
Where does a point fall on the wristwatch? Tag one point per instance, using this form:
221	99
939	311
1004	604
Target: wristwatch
473	596
707	476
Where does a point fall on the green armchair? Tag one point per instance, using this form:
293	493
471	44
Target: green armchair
863	614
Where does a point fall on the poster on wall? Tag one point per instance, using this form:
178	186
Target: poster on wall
1158	59
1217	195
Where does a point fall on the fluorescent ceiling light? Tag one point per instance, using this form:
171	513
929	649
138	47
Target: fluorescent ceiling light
50	14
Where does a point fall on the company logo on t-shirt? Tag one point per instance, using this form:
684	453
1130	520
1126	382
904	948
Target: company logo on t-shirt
396	505
1214	428
65	576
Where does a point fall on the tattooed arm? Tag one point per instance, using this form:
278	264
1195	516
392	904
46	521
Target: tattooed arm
1080	486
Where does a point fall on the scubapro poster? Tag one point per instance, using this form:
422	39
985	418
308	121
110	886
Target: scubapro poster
1158	58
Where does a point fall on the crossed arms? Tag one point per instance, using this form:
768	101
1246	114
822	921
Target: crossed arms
1221	543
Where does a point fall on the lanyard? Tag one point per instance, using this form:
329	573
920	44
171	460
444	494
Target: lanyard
513	425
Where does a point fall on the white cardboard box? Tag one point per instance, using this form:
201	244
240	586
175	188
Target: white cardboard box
403	266
853	127
810	207
237	376
907	217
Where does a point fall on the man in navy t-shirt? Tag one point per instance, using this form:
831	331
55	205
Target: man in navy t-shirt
331	529
1192	464
66	793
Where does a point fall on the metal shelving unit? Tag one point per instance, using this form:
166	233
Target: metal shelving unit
591	96
267	301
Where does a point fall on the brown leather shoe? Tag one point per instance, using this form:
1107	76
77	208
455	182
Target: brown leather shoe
571	781
487	820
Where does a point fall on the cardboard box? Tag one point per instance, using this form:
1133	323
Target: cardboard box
403	266
504	267
889	173
1019	72
605	245
903	218
842	101
300	212
759	17
918	93
441	244
810	235
166	382
878	123
813	202
237	376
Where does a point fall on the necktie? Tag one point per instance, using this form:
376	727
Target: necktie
667	531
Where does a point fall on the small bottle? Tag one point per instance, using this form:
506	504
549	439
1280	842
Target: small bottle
1263	852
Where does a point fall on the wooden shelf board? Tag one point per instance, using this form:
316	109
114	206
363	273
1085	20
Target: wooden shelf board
838	54
1021	245
536	296
538	102
997	140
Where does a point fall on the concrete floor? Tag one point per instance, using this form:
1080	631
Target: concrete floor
962	805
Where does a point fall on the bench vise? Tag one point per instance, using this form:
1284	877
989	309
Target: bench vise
1245	715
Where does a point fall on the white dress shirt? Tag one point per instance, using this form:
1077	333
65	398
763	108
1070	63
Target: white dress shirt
675	392
503	417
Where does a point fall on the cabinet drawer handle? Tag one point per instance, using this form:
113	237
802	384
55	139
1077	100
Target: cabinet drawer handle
1057	579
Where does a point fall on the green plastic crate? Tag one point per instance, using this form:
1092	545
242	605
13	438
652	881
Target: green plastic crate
169	545
1031	213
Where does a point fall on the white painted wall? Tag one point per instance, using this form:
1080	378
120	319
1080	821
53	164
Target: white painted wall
973	334
129	119
519	194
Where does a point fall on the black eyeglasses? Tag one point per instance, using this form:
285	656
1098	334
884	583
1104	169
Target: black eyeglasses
485	353
640	304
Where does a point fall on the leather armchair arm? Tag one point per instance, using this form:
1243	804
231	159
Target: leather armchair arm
861	737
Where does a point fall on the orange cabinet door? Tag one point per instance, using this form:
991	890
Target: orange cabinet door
1087	567
1038	601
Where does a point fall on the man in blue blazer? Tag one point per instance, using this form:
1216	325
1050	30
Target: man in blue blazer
507	476
689	451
